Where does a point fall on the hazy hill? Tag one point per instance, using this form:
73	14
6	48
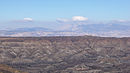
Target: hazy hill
107	30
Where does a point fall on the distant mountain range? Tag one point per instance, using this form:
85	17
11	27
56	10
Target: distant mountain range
112	30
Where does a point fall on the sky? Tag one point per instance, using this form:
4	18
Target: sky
13	12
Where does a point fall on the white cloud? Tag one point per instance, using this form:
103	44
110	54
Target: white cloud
74	18
121	21
79	18
28	19
62	20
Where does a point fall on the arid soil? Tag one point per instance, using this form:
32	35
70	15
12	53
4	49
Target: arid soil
73	54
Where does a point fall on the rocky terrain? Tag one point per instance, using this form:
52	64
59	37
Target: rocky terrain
7	69
79	54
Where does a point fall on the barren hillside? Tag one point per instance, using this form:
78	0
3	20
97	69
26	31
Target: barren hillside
81	54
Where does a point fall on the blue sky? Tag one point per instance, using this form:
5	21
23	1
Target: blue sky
53	9
50	10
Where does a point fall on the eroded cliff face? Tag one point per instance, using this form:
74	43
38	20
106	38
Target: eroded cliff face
81	54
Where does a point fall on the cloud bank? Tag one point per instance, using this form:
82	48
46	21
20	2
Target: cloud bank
28	19
79	18
62	20
74	18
